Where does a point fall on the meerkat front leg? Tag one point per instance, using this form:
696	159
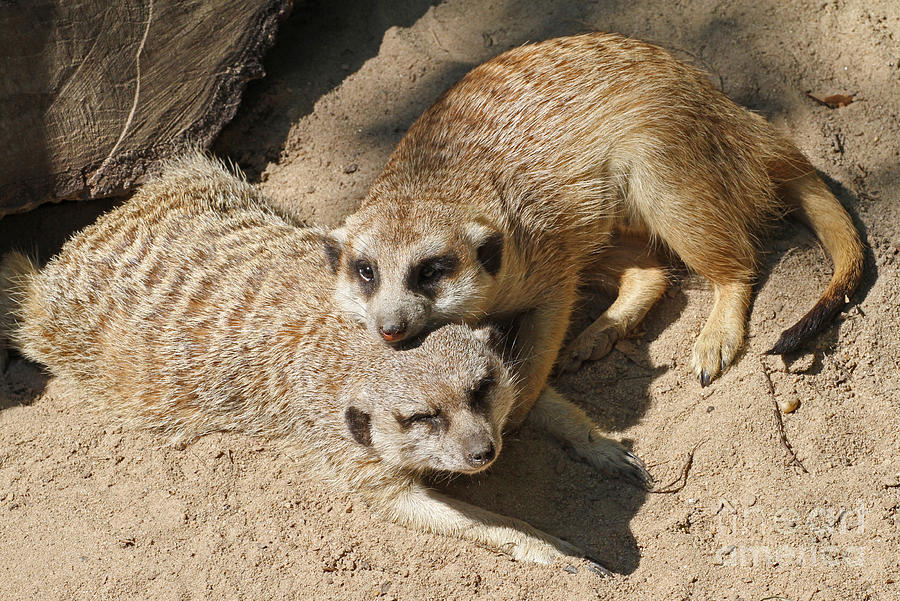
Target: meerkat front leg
419	508
536	341
642	281
568	423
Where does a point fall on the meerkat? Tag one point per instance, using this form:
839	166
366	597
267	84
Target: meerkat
558	157
195	308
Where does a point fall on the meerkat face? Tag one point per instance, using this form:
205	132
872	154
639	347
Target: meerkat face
403	273
439	407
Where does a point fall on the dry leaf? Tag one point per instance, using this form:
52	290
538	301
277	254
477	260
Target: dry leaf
833	101
838	100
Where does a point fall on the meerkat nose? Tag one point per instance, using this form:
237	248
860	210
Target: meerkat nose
482	456
393	332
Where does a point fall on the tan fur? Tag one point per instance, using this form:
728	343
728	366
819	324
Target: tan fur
194	308
562	146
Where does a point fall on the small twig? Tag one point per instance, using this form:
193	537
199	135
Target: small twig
780	422
681	481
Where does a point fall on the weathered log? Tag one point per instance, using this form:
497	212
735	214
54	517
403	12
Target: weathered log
93	92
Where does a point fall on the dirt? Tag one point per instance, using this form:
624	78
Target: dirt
91	511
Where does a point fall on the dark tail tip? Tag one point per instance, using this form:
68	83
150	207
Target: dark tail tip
811	324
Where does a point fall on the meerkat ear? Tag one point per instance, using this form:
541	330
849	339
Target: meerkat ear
489	243
490	253
486	333
483	332
495	337
360	425
334	242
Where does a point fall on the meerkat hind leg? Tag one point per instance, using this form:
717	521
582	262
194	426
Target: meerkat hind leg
723	334
642	281
568	423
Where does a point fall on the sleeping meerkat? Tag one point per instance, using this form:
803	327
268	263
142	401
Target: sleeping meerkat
194	308
558	156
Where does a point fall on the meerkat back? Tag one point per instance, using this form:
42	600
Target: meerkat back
158	307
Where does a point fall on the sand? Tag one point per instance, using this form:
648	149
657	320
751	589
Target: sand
89	510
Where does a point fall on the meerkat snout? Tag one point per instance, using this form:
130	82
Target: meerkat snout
398	316
480	451
393	331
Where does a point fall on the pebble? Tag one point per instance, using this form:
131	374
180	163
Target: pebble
788	405
891	481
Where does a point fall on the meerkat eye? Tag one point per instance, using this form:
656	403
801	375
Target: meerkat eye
432	418
478	395
429	272
425	417
365	271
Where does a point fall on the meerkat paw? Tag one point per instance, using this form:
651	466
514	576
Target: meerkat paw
594	342
544	549
713	353
612	459
555	549
569	424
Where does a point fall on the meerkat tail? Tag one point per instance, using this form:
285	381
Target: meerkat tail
822	212
15	270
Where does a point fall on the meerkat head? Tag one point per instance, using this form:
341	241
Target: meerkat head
438	407
403	271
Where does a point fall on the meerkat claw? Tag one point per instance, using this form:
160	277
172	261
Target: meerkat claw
596	567
638	474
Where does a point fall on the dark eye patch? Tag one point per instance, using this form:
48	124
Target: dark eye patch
425	276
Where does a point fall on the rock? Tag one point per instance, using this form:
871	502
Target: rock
788	405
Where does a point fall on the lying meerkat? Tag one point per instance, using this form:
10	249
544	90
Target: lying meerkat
558	156
194	308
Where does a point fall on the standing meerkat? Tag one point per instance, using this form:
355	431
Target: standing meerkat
194	308
556	157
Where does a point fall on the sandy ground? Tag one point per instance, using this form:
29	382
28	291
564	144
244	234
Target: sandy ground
89	511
